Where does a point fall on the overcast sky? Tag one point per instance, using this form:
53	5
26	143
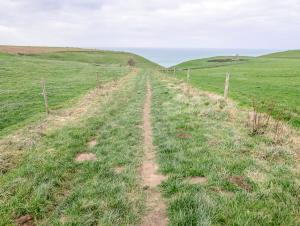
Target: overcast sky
268	24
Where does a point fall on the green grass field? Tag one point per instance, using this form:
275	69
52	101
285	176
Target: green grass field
272	79
213	62
54	188
68	76
85	163
243	180
293	54
98	57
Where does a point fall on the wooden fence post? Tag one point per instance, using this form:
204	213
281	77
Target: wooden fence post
226	89
44	93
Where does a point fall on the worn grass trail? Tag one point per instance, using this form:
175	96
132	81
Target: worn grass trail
21	102
156	214
68	74
218	174
15	145
54	189
105	165
265	80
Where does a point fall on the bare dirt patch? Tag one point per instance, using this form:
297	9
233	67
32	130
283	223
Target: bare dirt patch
151	178
184	136
26	220
92	143
197	180
83	157
240	182
156	214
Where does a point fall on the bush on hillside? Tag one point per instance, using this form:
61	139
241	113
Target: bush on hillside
131	62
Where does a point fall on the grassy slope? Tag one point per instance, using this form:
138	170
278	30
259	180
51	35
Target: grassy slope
99	57
217	61
263	79
196	137
68	75
285	54
35	49
55	190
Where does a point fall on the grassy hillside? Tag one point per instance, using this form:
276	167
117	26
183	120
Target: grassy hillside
274	81
215	172
98	57
285	54
218	173
144	145
213	62
36	49
57	190
68	75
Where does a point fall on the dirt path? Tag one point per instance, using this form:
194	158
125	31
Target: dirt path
156	214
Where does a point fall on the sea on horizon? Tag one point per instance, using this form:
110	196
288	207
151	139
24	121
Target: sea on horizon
168	57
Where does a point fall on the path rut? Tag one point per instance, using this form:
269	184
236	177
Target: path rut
156	208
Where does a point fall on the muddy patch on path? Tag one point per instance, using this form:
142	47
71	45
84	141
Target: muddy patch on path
151	178
156	213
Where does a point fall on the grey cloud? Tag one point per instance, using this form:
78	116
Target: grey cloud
54	5
152	23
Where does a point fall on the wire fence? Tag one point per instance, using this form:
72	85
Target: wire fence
22	97
262	94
